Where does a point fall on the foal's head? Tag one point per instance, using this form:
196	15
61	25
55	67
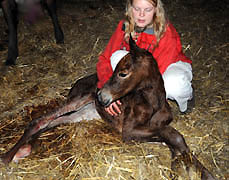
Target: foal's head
132	73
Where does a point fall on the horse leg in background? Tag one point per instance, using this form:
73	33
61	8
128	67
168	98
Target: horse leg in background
177	145
11	16
50	5
79	106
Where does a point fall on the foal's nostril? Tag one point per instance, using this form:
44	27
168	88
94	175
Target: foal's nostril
99	93
99	97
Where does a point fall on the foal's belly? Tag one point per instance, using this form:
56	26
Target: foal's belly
88	112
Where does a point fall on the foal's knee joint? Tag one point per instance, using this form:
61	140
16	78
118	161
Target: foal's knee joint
179	142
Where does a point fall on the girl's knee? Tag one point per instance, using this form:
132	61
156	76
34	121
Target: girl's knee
177	81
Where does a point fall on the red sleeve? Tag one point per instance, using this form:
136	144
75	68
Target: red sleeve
169	49
103	66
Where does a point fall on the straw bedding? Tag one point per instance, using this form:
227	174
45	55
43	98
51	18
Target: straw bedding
45	71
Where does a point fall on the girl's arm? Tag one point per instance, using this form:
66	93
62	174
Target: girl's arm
169	49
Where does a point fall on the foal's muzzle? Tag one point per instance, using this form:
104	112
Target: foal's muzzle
104	97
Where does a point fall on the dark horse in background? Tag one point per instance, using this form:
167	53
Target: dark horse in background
10	11
145	116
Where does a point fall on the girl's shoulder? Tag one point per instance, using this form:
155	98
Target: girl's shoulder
120	28
170	30
122	25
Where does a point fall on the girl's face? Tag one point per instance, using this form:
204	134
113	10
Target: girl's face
143	12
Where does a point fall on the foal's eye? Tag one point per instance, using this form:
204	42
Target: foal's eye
122	74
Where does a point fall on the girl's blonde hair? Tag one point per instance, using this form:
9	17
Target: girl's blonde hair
159	20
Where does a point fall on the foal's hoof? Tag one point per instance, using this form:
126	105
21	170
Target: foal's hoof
23	152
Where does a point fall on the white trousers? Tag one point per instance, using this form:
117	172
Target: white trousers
177	81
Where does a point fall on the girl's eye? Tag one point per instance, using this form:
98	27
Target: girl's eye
122	75
136	9
145	10
148	9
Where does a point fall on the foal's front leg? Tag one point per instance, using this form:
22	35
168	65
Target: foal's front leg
134	127
159	133
177	145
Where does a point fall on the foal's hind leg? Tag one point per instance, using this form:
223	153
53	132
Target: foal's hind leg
80	106
177	145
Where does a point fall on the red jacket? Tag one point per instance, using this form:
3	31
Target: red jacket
169	50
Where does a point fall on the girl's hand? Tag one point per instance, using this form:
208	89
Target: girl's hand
113	109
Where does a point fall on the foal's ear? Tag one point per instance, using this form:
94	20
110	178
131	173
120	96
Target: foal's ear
134	49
